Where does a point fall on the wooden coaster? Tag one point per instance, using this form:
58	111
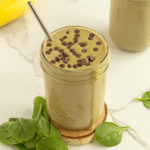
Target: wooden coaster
81	137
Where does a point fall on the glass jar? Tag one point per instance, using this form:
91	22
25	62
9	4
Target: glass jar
75	99
130	24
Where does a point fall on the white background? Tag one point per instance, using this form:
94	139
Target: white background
20	76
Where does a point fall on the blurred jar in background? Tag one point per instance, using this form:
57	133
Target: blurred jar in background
130	24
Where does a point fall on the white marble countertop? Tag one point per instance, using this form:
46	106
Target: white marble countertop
21	79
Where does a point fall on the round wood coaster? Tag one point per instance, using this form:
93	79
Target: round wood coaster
80	137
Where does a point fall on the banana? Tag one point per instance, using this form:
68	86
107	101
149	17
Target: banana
12	9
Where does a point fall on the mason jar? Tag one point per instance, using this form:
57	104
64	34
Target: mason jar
130	24
75	99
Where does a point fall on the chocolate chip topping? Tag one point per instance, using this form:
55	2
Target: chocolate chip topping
91	35
57	59
84	50
64	43
62	66
68	47
65	54
69	65
70	43
75	66
90	38
95	49
53	61
82	44
56	48
91	58
77	31
48	52
61	50
48	44
77	35
67	32
64	37
61	39
78	55
98	43
88	63
75	40
50	49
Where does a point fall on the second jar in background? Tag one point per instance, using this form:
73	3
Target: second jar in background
130	24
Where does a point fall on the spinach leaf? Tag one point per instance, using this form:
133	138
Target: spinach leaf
14	132
38	101
27	129
21	147
51	143
54	132
145	99
31	143
13	119
109	134
43	126
9	133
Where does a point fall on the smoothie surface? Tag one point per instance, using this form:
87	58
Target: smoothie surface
75	49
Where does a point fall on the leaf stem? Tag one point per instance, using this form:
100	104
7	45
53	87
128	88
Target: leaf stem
142	99
39	113
125	128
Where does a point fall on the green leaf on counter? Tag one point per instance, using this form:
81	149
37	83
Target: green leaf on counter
145	99
51	143
109	134
21	147
38	101
14	132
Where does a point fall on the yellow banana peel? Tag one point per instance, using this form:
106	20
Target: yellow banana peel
12	9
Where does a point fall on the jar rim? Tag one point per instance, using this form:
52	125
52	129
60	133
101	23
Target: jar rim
85	71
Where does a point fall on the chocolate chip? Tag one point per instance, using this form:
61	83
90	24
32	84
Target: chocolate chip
79	64
63	58
76	31
75	40
65	55
91	58
61	39
57	59
60	55
84	50
64	43
61	50
69	65
77	35
48	44
83	60
67	32
53	61
78	55
64	37
56	48
92	35
65	61
68	47
75	66
70	43
50	49
48	52
95	49
72	51
82	44
87	64
62	66
98	43
90	38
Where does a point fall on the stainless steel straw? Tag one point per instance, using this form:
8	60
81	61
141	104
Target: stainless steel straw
39	20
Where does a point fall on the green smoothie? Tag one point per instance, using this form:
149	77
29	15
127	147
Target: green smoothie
74	66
